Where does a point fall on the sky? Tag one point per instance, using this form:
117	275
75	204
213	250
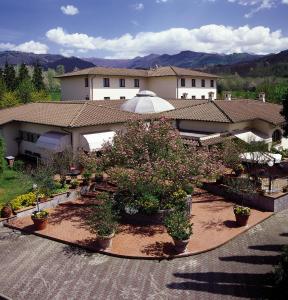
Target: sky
128	28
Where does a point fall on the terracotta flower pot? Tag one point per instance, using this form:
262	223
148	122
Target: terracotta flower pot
40	223
105	242
6	212
241	220
180	245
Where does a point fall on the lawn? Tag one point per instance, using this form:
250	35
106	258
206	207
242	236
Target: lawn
12	184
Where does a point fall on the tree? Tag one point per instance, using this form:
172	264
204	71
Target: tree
60	69
9	77
37	78
284	113
24	91
23	73
9	99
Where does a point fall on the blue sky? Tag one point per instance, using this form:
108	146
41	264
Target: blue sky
127	28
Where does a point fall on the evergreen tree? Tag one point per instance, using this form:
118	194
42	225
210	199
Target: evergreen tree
24	91
284	113
37	78
9	77
23	73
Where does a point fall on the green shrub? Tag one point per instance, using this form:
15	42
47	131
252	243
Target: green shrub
241	210
178	226
103	219
188	188
40	214
23	201
149	204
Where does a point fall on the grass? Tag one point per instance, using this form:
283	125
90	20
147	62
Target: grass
13	184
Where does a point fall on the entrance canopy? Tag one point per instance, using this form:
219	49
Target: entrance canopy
249	136
95	141
53	141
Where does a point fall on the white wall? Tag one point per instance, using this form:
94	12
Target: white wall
99	92
164	87
73	88
196	91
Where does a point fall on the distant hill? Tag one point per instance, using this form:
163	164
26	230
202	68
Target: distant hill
45	60
269	65
185	59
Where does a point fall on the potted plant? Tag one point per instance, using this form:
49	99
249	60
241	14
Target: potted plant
103	221
180	229
40	219
86	177
242	214
238	169
74	184
6	211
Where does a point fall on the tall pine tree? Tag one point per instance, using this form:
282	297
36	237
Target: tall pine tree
37	78
9	77
23	73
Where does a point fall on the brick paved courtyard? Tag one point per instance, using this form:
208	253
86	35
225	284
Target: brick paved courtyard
36	268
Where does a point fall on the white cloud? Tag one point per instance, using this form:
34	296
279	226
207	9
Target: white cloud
138	6
162	1
70	10
31	46
67	52
208	38
285	1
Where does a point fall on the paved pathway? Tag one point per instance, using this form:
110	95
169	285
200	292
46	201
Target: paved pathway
36	268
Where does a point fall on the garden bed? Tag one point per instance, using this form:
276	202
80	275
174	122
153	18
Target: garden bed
266	202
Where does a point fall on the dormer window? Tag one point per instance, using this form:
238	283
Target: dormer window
122	82
106	82
183	83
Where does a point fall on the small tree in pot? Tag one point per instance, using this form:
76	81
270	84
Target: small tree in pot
40	219
103	221
242	214
180	229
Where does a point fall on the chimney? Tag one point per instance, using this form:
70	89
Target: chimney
211	96
262	97
227	96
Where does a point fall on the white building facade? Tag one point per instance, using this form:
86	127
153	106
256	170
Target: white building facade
108	84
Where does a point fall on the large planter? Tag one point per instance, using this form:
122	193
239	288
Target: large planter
6	212
105	242
39	223
180	245
241	220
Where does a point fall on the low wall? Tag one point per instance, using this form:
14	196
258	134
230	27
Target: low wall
51	203
258	201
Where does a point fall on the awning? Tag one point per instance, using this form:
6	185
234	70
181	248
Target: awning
53	141
96	140
249	136
261	158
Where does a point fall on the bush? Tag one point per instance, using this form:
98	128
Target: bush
74	183
178	226
149	204
103	219
23	201
40	214
241	210
188	188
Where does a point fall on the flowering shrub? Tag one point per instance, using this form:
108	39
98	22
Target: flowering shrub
151	159
149	204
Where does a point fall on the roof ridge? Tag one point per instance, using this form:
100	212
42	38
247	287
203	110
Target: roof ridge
223	112
77	114
172	67
192	105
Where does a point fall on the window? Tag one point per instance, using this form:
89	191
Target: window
193	82
183	82
29	136
106	82
212	83
122	97
122	82
203	83
106	98
193	97
136	83
86	81
277	136
87	97
203	97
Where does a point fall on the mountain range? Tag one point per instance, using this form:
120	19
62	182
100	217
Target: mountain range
242	63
